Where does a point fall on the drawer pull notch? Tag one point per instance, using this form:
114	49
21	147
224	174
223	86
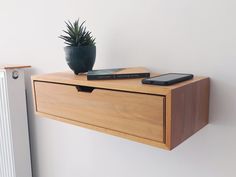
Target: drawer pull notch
87	89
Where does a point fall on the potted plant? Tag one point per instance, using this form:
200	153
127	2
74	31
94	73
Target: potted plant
81	50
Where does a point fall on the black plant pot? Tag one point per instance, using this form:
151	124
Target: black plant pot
80	59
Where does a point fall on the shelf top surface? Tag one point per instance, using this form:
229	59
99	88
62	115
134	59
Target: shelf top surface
132	85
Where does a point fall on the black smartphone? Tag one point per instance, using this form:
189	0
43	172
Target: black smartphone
167	79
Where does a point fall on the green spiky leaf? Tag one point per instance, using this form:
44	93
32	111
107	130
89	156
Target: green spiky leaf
76	34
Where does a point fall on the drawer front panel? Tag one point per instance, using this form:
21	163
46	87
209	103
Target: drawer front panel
131	113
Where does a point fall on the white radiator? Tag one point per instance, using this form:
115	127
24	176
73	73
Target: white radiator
14	138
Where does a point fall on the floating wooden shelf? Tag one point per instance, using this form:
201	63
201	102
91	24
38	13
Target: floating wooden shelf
162	116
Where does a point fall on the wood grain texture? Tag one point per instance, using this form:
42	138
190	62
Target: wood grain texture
131	113
132	85
189	110
107	131
168	124
161	116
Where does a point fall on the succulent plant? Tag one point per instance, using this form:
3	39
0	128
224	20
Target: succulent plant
77	35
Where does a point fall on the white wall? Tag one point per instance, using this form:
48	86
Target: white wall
196	36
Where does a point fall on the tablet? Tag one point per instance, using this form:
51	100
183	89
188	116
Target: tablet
167	79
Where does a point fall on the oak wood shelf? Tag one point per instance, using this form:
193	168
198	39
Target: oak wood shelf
161	116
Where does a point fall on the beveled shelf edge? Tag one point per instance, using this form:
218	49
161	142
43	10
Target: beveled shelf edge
107	131
9	66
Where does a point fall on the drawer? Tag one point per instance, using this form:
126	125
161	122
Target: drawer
136	114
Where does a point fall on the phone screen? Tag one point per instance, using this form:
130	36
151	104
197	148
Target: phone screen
167	77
